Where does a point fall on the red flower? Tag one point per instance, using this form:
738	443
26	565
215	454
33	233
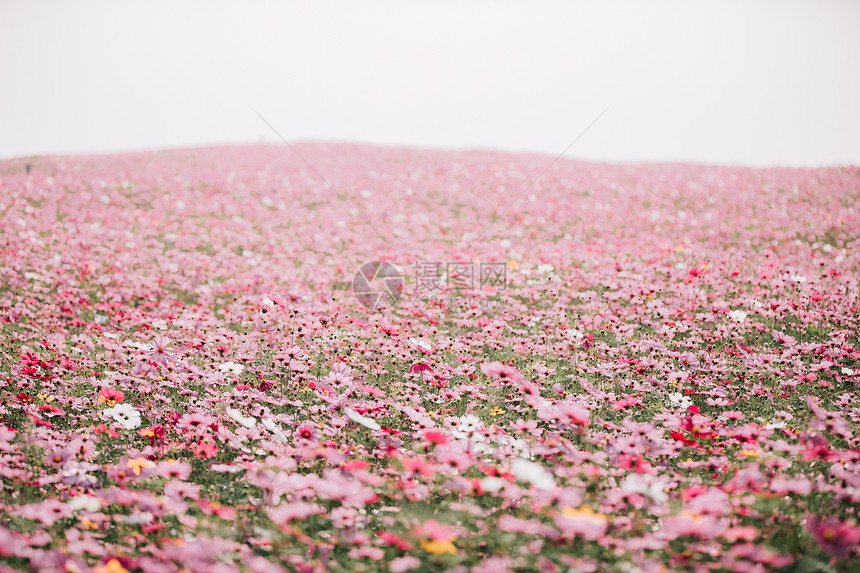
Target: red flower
436	437
396	541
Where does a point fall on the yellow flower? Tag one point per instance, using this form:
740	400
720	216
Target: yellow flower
439	547
137	464
87	524
583	511
45	397
750	453
497	411
112	566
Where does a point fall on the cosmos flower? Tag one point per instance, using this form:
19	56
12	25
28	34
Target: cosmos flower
839	538
339	375
737	315
239	418
157	350
231	368
680	400
533	473
125	414
359	419
546	423
582	521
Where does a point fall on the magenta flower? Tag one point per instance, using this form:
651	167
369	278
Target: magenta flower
839	538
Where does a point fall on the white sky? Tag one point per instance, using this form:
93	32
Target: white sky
749	82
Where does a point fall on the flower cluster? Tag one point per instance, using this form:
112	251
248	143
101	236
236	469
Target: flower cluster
667	382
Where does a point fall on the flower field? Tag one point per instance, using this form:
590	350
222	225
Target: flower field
611	368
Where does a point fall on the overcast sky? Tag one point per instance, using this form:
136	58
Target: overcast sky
760	83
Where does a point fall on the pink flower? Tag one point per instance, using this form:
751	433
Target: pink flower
182	489
374	553
453	456
157	351
516	525
839	538
419	367
48	511
282	514
433	530
782	485
499	370
173	469
494	564
567	413
339	375
583	522
195	422
111	395
707	527
405	563
306	431
205	448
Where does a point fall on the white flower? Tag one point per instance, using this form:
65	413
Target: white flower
268	302
125	415
469	424
737	315
270	425
226	468
363	420
84	502
680	400
422	344
535	474
574	334
518	446
137	518
231	367
847	372
798	278
492	484
239	418
653	488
